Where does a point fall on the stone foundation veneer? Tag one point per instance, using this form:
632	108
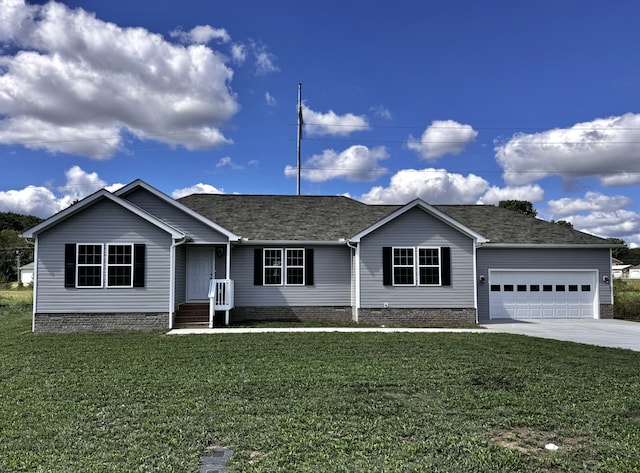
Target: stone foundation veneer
291	313
418	317
606	311
101	322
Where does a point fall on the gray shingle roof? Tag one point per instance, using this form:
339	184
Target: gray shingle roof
330	218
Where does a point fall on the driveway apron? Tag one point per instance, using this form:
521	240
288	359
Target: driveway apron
605	332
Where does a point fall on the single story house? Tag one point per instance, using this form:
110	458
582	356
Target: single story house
634	272
138	259
26	274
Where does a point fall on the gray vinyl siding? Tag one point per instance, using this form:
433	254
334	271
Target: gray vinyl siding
412	229
542	258
104	222
332	280
181	274
195	229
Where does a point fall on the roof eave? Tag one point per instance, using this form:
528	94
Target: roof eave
140	183
248	241
479	239
548	245
90	200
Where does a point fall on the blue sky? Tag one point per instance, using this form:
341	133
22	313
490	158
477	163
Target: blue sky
453	102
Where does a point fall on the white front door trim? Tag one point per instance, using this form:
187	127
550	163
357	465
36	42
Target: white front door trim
200	270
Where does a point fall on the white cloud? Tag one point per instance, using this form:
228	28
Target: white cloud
531	193
76	83
435	186
442	137
381	111
265	61
330	123
605	147
592	202
618	224
201	34
33	200
239	53
196	189
227	162
43	202
356	163
270	99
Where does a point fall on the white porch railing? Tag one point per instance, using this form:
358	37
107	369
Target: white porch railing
220	298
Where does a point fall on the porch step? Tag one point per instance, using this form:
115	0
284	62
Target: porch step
192	316
195	316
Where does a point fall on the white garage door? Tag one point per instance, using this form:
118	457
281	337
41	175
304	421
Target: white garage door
538	294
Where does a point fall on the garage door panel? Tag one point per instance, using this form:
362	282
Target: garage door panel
531	294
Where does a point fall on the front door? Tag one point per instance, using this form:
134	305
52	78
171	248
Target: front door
200	270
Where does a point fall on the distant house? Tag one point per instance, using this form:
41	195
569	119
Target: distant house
634	272
138	259
26	274
619	269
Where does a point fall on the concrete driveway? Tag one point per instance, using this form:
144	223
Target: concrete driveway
604	332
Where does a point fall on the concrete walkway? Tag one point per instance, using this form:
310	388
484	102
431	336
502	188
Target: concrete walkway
606	332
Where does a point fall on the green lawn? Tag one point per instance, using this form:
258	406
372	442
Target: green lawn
627	299
325	402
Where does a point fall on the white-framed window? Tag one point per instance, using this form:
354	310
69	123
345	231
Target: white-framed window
89	265
288	270
429	267
272	266
100	265
403	267
295	267
425	270
119	265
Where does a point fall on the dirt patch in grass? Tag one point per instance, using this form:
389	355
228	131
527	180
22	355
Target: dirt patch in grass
531	441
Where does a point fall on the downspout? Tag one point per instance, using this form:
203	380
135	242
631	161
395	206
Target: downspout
227	271
357	288
475	280
35	285
172	278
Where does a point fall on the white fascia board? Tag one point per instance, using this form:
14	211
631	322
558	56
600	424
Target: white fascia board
90	200
479	239
161	195
245	241
550	245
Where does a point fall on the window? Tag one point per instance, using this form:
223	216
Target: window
429	266
293	269
403	267
495	288
89	267
522	288
272	267
585	287
411	266
86	264
120	265
534	288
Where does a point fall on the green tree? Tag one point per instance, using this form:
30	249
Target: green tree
13	248
520	206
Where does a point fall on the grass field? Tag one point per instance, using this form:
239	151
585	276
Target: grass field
323	402
627	299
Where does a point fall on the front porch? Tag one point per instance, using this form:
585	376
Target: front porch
215	313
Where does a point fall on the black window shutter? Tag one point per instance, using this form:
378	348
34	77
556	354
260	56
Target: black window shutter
308	263
70	265
138	264
445	255
257	267
387	267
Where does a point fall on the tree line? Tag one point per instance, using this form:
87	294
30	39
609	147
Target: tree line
13	248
